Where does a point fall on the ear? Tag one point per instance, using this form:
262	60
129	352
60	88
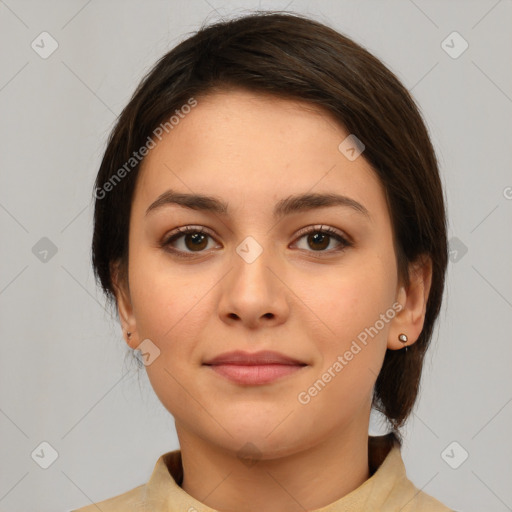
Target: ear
410	319
124	305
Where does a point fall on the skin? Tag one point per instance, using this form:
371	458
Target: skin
252	150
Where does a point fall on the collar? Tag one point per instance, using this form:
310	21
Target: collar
386	488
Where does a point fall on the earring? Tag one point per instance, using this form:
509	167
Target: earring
403	338
128	334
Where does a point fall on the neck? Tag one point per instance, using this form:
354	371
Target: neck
308	479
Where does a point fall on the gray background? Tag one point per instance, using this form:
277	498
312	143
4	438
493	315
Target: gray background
64	376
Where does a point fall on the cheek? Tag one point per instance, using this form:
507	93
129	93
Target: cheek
352	298
171	309
356	311
165	296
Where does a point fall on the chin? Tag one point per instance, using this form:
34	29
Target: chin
269	438
260	447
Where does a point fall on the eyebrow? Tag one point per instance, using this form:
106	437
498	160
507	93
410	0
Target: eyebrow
292	204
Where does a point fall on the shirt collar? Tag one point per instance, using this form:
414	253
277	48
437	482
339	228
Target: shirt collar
387	481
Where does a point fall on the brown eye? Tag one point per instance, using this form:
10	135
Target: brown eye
187	240
318	241
196	241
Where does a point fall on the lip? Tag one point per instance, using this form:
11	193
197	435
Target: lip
253	369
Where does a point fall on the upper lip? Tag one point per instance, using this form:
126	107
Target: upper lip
241	358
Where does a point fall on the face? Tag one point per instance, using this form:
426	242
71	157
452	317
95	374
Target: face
268	320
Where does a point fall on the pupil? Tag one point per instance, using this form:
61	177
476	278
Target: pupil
323	238
197	241
319	239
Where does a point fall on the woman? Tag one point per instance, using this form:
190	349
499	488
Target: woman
270	225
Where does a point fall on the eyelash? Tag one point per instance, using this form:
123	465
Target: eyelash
182	231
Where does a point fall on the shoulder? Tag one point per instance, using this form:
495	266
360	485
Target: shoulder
393	490
155	493
426	503
413	499
131	500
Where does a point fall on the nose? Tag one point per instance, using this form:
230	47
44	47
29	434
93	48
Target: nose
253	293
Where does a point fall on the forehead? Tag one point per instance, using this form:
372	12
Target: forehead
245	146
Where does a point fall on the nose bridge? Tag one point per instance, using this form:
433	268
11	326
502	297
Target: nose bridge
251	291
251	261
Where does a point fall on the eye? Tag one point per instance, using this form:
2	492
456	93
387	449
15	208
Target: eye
188	239
319	239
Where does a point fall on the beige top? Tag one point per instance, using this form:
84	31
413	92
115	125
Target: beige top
388	489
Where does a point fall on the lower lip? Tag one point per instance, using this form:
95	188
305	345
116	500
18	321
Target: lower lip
255	375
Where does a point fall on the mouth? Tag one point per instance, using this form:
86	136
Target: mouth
254	369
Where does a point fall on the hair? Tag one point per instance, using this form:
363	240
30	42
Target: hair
293	57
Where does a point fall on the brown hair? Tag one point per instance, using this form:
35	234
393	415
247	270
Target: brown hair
291	56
